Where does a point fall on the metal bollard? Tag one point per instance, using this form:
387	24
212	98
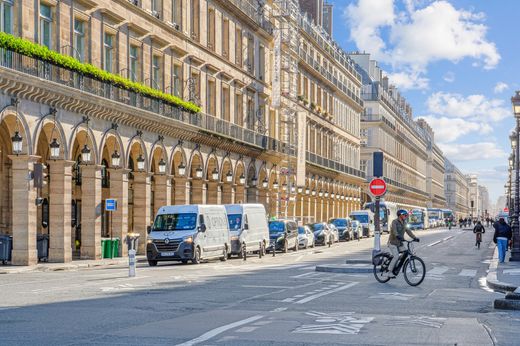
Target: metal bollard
131	263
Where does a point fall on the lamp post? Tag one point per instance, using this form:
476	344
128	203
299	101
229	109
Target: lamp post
515	252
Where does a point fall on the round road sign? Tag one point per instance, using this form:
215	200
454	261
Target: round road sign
377	187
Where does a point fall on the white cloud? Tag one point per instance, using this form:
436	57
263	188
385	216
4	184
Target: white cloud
448	130
472	152
500	87
449	77
409	80
476	107
424	32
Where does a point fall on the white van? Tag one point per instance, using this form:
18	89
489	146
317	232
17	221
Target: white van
188	232
248	228
366	219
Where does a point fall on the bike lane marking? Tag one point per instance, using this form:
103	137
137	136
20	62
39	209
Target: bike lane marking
318	295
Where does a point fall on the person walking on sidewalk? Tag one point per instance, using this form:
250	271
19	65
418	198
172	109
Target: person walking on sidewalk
396	237
501	237
478	230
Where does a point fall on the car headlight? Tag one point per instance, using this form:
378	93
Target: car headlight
149	241
188	240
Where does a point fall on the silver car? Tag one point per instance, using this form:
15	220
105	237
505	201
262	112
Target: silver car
305	237
357	229
334	231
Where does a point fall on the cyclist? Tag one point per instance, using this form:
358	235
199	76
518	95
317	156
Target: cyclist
478	230
397	230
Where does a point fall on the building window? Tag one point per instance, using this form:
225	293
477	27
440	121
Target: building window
238	47
225	38
212	97
211	29
195	19
195	87
156	72
79	40
156	8
261	63
177	80
177	13
239	113
133	67
250	54
6	16
108	46
225	103
46	26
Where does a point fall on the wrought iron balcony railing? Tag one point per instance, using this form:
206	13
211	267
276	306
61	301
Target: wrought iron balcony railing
334	165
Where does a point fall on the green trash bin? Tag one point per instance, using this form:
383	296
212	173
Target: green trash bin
115	247
105	248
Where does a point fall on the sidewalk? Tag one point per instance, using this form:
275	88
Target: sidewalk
74	265
505	278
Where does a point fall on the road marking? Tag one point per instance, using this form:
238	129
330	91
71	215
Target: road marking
255	286
435	243
394	296
334	323
318	295
246	329
289	300
214	332
468	272
512	271
448	238
278	310
303	275
423	321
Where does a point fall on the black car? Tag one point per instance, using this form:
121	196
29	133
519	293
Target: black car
283	235
322	233
343	226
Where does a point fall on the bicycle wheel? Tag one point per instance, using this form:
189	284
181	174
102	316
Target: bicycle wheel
414	271
380	271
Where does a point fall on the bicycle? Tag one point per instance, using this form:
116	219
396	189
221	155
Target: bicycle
412	266
478	239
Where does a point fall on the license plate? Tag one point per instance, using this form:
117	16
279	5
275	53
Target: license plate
167	254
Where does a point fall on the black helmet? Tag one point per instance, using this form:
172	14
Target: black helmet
402	212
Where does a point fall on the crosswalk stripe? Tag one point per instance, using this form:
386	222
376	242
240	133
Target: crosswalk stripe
468	272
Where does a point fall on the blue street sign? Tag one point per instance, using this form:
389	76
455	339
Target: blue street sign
111	204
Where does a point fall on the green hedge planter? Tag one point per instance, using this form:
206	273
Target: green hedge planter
27	48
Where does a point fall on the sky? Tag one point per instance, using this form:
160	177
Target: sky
455	62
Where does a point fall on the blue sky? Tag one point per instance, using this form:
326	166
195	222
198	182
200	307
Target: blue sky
455	62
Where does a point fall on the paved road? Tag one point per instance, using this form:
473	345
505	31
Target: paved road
279	300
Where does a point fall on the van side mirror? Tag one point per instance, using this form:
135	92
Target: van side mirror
246	226
148	229
202	228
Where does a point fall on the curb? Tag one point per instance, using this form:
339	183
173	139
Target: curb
491	279
506	304
345	268
358	261
67	266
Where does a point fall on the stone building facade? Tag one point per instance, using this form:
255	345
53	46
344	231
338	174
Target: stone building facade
456	190
146	152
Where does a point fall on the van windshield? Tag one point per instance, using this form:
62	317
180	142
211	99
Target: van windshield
175	222
360	218
340	222
235	221
276	227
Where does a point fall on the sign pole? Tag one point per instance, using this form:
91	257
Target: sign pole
377	233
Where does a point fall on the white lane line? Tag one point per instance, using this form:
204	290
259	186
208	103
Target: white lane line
258	286
246	329
214	332
435	243
318	295
448	238
438	270
303	275
468	272
278	310
288	300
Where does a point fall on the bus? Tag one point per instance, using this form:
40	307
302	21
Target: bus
435	217
387	213
448	214
418	219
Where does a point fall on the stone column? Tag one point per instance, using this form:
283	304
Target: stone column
299	206
60	197
91	212
181	191
23	211
251	193
162	192
197	192
262	198
213	193
227	193
141	212
119	191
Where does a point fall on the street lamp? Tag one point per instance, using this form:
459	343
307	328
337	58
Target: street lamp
229	176
162	166
515	252
275	185
17	143
214	174
55	149
85	154
254	181
140	163
182	169
198	172
265	183
116	159
242	179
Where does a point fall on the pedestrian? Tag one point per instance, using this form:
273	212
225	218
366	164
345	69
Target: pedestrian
502	237
460	222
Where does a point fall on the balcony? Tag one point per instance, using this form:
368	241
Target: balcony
260	17
47	71
334	165
405	187
311	62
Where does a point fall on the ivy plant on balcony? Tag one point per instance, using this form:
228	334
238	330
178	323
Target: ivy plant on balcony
33	50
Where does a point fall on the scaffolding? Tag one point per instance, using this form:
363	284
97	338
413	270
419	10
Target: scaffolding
286	14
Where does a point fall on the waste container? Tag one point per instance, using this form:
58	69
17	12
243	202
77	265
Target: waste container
115	247
109	247
42	244
6	246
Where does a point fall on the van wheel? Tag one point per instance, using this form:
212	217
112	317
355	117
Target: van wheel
224	255
196	257
152	263
261	250
286	247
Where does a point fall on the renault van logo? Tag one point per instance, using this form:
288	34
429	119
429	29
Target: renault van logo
166	241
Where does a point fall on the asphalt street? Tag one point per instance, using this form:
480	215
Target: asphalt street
274	300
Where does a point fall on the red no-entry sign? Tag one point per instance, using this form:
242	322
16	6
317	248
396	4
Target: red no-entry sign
377	187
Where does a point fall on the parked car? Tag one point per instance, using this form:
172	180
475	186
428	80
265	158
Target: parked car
322	234
305	237
188	232
283	235
366	218
357	229
334	233
344	227
248	228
